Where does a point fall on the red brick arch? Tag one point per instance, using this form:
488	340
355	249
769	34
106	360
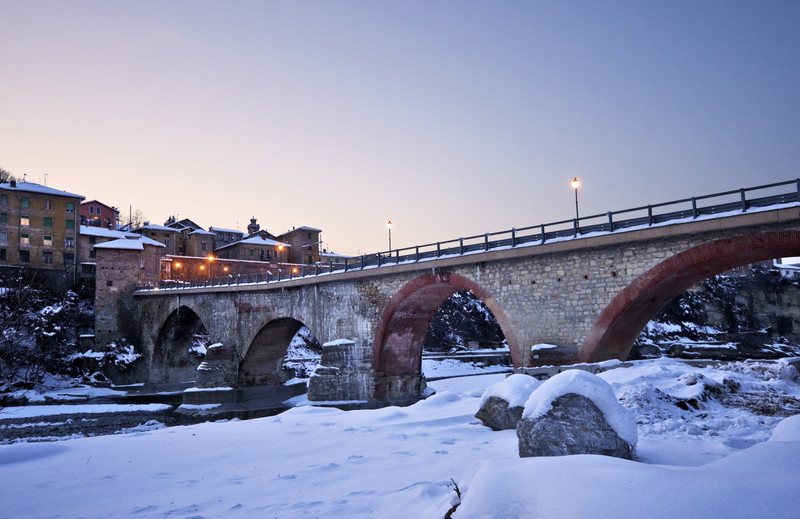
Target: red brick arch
404	323
613	334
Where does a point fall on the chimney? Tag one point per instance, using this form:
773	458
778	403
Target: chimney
13	183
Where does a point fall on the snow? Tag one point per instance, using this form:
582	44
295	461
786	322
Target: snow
31	187
590	386
516	389
51	410
398	461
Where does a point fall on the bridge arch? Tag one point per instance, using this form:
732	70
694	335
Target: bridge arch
621	322
262	363
401	331
179	347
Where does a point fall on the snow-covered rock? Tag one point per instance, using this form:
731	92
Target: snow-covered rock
502	403
576	412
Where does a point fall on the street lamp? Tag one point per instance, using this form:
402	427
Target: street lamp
178	270
210	266
389	226
575	185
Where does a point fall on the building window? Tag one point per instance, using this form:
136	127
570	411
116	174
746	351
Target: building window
25	202
92	239
47	257
2	254
97	209
70	225
48	205
309	236
4	200
110	283
69	242
69	258
252	251
203	245
48	222
24	240
25	220
3	237
166	242
24	256
3	217
70	207
92	253
91	209
47	241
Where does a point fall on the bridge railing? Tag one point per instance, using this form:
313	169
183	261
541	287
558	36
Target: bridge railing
736	201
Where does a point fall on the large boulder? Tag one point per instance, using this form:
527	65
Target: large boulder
576	412
502	403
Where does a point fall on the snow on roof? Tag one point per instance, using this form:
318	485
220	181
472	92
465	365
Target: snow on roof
255	240
155	227
121	244
516	389
150	241
201	231
103	232
220	229
30	187
592	387
305	228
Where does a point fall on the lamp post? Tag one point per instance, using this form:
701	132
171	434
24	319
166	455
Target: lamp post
178	270
575	185
210	266
389	226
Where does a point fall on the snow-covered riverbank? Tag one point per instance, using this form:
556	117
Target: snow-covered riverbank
711	461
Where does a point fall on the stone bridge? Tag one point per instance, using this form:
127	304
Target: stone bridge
590	296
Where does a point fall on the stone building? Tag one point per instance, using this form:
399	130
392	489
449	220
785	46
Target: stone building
38	230
98	214
304	242
224	237
89	237
170	237
122	265
255	248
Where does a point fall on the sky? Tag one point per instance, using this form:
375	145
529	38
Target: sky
449	118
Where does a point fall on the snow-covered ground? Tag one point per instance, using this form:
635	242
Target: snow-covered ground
698	458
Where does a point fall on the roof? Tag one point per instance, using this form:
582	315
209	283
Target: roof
130	243
98	202
154	227
255	240
121	244
304	228
102	232
30	187
220	229
201	231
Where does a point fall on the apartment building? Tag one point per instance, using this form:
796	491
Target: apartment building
39	230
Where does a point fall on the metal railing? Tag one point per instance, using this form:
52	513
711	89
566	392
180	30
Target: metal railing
736	201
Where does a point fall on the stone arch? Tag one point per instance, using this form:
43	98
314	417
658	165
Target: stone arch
263	361
398	342
177	350
613	334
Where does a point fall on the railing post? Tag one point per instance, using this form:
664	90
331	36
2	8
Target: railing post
397	256
438	249
279	274
316	269
542	230
461	246
610	222
649	215
345	264
744	200
417	254
486	241
379	258
362	262
694	207
513	237
575	226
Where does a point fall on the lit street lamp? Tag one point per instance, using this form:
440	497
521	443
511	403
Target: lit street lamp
389	226
575	185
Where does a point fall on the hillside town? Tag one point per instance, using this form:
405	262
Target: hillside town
68	241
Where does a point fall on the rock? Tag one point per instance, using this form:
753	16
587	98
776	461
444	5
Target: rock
496	413
574	425
502	403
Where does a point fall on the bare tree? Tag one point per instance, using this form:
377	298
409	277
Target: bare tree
137	219
5	176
